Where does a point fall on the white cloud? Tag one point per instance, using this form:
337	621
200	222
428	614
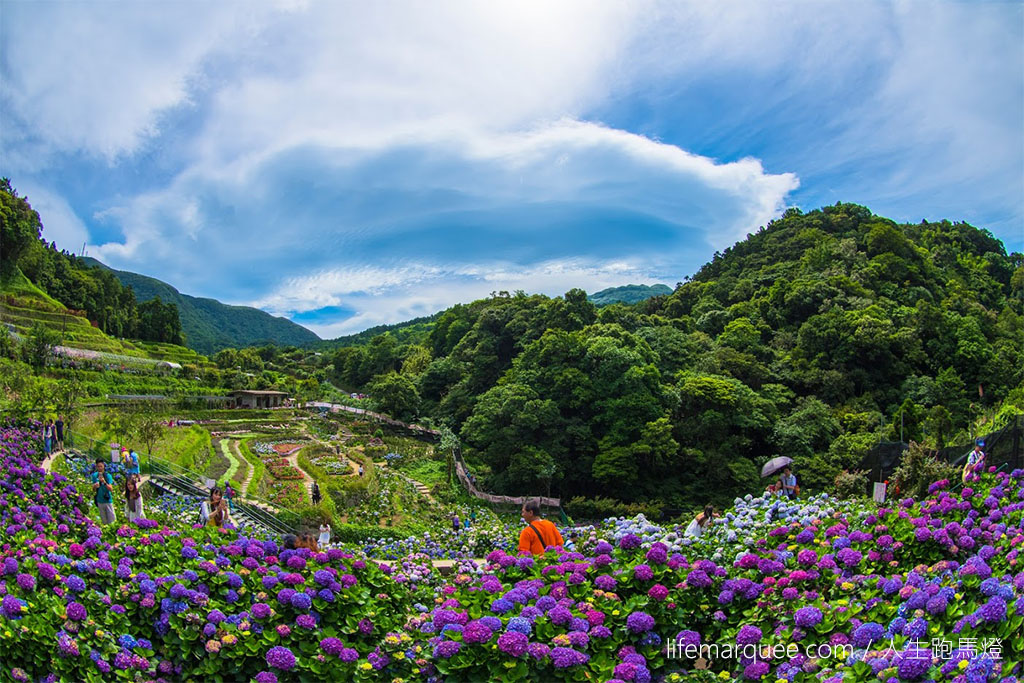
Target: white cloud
418	289
94	77
303	136
60	223
297	210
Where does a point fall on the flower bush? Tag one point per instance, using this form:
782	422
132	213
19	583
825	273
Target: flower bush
163	601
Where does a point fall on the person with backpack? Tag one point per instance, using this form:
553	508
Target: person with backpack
539	534
103	487
788	485
131	462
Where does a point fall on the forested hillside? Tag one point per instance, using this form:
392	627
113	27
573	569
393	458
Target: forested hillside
210	325
73	283
813	338
628	294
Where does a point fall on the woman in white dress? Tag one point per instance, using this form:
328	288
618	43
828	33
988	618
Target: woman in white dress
700	522
325	535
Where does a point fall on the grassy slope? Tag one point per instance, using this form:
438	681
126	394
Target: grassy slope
31	305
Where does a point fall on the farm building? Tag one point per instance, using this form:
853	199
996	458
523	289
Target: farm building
247	398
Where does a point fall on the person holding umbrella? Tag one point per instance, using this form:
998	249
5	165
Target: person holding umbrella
775	465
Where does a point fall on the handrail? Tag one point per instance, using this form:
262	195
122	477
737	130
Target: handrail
153	465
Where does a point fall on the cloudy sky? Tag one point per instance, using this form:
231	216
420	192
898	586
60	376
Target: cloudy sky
352	164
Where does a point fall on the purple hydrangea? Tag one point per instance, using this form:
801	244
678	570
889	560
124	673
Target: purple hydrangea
630	542
76	611
867	633
513	643
639	622
476	632
807	617
280	657
446	649
566	657
12	607
748	635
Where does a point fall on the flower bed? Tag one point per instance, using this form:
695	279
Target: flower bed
285	494
274	449
332	464
859	587
282	470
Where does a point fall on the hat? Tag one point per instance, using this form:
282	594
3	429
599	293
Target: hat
980	442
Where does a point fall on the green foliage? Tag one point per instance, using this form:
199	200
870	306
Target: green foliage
160	321
147	425
601	508
20	226
396	395
39	346
851	484
918	469
628	294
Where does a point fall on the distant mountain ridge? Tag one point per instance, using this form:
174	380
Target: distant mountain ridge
210	325
628	294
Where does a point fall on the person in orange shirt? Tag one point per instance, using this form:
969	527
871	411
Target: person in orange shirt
539	533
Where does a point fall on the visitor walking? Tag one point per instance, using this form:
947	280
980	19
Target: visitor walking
48	432
455	523
59	425
103	487
131	463
133	498
787	483
325	534
539	534
316	494
360	470
975	462
700	522
229	494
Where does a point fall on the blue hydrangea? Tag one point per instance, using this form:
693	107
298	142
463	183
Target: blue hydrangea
520	625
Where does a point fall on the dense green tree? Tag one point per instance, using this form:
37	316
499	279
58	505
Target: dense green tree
396	395
20	226
39	345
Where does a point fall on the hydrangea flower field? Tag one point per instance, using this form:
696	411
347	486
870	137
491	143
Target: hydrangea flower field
823	589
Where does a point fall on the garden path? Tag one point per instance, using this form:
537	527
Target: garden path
422	488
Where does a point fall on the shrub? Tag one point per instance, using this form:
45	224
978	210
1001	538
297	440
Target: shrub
851	484
918	469
599	508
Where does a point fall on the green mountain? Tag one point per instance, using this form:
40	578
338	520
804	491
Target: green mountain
815	337
407	331
210	325
628	294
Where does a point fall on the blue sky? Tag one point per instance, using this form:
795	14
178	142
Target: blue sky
353	164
